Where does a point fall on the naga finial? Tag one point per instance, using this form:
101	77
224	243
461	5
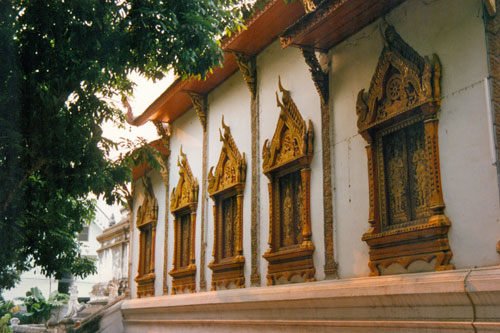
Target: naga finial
182	160
280	85
283	90
382	28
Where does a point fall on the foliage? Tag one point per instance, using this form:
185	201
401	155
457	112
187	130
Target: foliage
136	153
5	306
4	323
38	308
62	61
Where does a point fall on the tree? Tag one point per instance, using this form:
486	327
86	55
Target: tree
62	61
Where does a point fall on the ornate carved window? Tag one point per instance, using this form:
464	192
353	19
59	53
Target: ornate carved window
286	162
226	189
398	119
147	218
183	205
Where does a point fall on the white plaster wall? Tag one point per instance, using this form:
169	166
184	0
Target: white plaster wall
90	247
231	100
295	77
105	273
454	30
30	279
34	278
186	131
124	256
116	262
113	261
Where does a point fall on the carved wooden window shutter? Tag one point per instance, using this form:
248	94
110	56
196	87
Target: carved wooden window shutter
183	205
226	189
398	119
147	218
286	162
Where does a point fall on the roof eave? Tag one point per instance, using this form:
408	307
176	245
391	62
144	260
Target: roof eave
334	21
262	29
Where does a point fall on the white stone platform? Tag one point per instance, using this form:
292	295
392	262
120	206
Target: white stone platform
449	301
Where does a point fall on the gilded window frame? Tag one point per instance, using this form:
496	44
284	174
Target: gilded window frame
227	182
184	200
280	160
147	216
418	97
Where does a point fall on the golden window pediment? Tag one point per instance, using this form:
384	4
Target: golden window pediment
231	167
186	192
226	189
292	139
403	81
148	211
398	119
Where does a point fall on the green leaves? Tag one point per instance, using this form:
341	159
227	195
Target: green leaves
61	62
5	306
38	308
4	323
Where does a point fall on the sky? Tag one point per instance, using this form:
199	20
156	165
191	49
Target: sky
145	93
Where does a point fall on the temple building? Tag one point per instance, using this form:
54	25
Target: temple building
339	173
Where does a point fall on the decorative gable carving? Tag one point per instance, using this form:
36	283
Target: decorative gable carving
292	139
403	81
186	192
148	211
231	168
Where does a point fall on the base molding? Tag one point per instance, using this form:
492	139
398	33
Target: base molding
323	325
447	301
